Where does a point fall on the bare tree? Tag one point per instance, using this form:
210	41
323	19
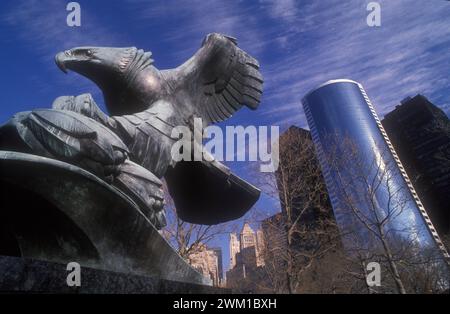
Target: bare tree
373	203
305	230
304	252
188	238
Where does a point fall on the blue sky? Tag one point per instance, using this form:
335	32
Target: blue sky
299	43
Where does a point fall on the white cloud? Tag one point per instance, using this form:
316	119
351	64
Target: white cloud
393	61
299	44
282	9
42	24
189	21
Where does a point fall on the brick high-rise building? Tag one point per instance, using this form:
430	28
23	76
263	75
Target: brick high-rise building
235	247
259	251
248	238
245	256
274	228
218	252
206	261
420	134
301	185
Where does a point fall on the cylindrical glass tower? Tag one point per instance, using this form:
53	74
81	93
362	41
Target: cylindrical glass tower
370	192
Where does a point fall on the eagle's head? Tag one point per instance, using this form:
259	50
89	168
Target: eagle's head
117	71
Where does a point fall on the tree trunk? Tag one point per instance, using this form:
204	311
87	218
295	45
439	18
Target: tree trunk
392	265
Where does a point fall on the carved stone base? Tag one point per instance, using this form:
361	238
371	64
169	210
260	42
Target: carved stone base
32	276
56	212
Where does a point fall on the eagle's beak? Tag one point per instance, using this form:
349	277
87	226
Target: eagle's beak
60	59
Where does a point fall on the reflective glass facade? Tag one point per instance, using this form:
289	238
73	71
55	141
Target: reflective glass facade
364	177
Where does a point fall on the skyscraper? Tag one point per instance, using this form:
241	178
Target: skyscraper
274	228
300	181
218	252
420	134
364	176
206	261
247	237
245	259
260	247
235	247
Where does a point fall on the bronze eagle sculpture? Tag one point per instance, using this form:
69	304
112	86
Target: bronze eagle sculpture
131	147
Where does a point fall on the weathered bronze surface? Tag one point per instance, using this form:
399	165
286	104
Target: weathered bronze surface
127	152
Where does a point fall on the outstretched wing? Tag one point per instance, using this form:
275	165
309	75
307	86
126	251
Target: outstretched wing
67	136
220	78
216	82
217	196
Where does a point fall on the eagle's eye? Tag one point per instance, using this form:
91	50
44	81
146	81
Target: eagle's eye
89	53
